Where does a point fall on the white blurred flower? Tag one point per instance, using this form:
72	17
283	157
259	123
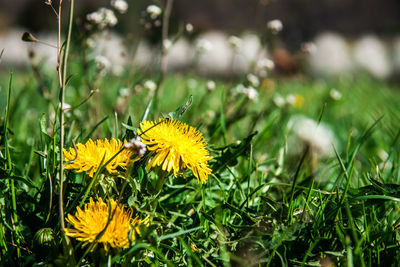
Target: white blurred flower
265	63
111	45
213	53
66	106
102	18
120	5
124	92
275	26
383	154
235	42
319	137
90	42
253	80
263	66
371	55
149	84
137	146
279	101
192	83
180	55
295	100
103	64
153	11
250	92
203	45
189	27
167	44
309	48
335	94
157	23
210	86
332	56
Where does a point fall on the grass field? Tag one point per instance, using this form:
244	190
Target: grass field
306	173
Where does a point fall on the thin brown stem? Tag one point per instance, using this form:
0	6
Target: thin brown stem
61	114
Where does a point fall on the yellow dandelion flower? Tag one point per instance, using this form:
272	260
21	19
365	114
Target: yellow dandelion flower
91	154
175	147
91	221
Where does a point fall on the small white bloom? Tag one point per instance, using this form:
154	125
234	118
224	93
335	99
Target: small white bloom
203	45
120	5
275	26
250	92
253	80
124	92
103	17
94	17
90	42
157	23
149	84
210	86
167	44
102	63
137	145
279	101
335	94
154	11
309	48
235	42
265	64
291	99
189	28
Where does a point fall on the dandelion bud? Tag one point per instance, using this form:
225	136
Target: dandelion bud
44	242
27	37
275	26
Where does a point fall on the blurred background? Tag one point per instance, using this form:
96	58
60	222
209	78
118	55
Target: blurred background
319	37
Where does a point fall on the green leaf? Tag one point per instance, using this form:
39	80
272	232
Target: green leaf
179	111
182	232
